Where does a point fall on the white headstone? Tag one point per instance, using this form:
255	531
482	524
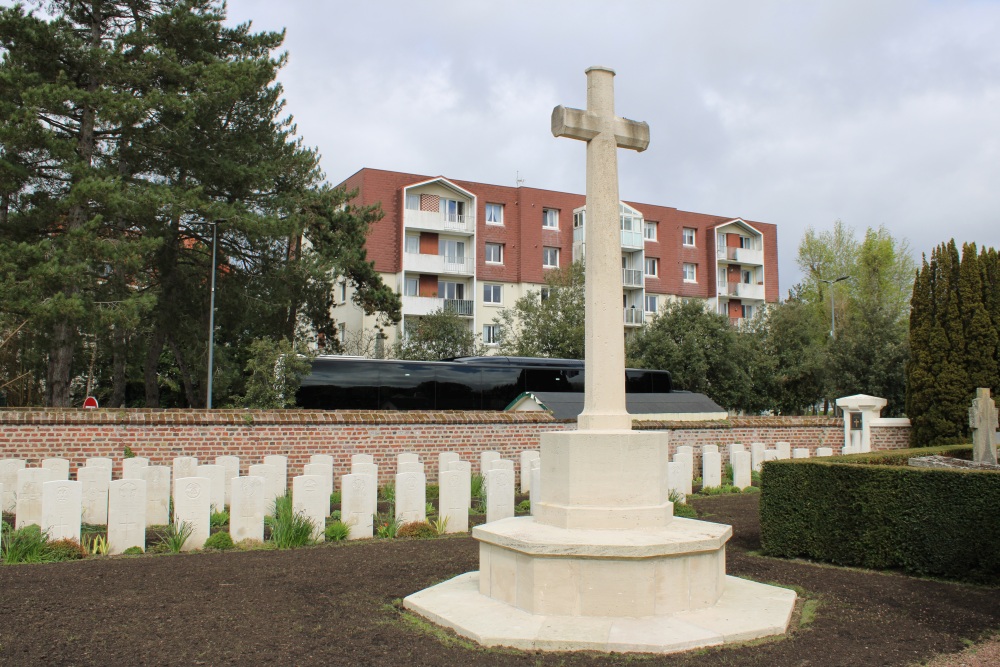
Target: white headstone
61	509
742	465
29	495
686	457
101	462
185	466
455	496
407	457
130	467
485	458
326	473
157	480
325	459
709	448
757	454
94	492
770	455
281	463
357	499
272	485
499	494
362	458
501	464
410	466
127	504
216	476
8	478
711	470
678	478
444	458
370	470
246	514
824	451
734	447
232	466
536	483
411	497
800	453
527	456
310	499
784	449
58	466
193	506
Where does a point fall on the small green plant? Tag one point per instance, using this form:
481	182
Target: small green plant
24	545
685	510
248	419
176	535
97	545
335	515
219	519
755	477
478	486
386	526
335	499
433	491
133	551
64	549
337	531
221	541
727	476
128	453
523	506
429	509
697	481
387	492
723	490
289	529
440	525
418	529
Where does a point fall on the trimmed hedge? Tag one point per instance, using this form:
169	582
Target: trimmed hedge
873	511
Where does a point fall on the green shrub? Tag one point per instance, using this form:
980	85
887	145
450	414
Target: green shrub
727	475
723	490
24	545
176	535
64	549
419	529
387	492
386	526
478	486
685	510
871	510
433	491
523	506
219	519
335	515
289	529
133	551
337	531
440	525
221	541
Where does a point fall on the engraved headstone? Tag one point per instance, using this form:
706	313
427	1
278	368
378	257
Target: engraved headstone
711	469
28	508
678	479
127	521
357	499
361	458
407	457
742	467
800	453
94	488
185	466
784	449
281	463
824	451
411	497
770	455
526	457
58	466
983	420
272	484
455	496
157	480
410	466
370	470
8	477
536	483
485	458
685	456
193	506
101	462
757	454
216	476
709	448
61	509
232	466
325	459
310	499
246	514
326	473
131	466
499	493
444	458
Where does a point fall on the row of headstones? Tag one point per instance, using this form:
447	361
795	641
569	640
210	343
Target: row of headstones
680	471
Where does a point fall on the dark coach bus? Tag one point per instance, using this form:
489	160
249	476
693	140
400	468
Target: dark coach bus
465	383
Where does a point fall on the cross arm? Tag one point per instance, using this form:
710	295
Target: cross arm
584	125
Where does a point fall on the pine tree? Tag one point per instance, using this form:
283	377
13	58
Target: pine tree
979	334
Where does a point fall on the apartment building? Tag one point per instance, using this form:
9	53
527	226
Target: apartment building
476	248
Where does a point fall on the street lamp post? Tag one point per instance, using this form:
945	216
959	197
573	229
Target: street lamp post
211	313
833	312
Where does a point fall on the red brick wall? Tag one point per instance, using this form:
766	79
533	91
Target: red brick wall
890	437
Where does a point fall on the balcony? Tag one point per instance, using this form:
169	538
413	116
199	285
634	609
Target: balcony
438	264
634	317
632	278
425	305
742	291
629	239
435	221
741	255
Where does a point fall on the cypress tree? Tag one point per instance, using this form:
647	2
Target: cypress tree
979	334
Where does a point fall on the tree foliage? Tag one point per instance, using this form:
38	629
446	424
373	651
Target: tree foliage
441	334
274	371
548	322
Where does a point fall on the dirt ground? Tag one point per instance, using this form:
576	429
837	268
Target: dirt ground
338	605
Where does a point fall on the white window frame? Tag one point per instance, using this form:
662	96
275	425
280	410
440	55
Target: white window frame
444	245
649	230
411	287
499	251
689	237
492	294
654	301
550	215
444	285
412	201
497	218
491	334
546	252
651	263
690	272
414	241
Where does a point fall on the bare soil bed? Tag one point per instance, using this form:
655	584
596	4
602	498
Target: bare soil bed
338	605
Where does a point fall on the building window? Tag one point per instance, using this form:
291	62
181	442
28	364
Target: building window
545	293
452	251
746	277
494	214
449	290
689	236
343	291
550	257
342	333
494	253
452	210
492	293
652	266
652	303
649	231
747	312
491	334
550	218
746	242
412	243
413	202
411	287
690	273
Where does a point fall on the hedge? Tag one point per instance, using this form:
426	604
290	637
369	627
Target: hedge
873	511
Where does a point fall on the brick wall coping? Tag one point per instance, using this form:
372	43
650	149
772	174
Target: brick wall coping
742	422
148	417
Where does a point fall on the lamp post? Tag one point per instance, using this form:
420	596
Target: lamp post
211	312
833	312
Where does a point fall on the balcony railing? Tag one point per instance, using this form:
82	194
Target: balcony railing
742	291
425	305
632	239
436	264
632	278
436	221
459	306
741	255
634	316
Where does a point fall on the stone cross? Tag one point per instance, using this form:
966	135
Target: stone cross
604	359
983	420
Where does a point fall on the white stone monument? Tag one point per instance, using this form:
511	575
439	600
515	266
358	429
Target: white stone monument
326	473
131	467
216	476
455	496
58	466
407	457
411	497
499	491
28	508
678	479
536	483
310	499
485	458
800	453
101	462
527	456
231	464
94	489
325	459
127	504
983	422
370	470
859	411
157	480
185	466
361	458
356	502
8	478
742	466
603	564
246	514
757	455
272	483
281	463
734	447
193	506
824	451
711	470
784	450
61	509
444	458
410	466
770	455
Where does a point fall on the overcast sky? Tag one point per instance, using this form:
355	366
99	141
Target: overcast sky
881	112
